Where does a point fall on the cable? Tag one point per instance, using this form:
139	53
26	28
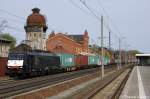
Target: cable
77	6
108	17
1	10
14	28
84	3
20	21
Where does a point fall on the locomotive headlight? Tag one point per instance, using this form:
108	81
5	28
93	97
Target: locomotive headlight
15	63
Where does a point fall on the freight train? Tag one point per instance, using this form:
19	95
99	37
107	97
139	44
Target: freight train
33	63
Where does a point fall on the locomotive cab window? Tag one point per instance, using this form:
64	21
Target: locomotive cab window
16	57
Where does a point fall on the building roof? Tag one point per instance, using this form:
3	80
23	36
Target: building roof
4	40
36	19
76	37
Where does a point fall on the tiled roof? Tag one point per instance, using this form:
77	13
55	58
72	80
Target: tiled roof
77	38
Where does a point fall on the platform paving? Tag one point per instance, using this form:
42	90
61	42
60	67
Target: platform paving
138	84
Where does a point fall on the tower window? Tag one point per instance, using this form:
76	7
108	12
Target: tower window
34	35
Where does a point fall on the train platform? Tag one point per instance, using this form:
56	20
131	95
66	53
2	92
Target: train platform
138	84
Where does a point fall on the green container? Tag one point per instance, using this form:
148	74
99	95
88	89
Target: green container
67	60
106	60
93	60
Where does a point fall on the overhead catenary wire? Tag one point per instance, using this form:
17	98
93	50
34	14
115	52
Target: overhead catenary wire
14	28
19	17
96	16
11	19
77	6
84	3
109	18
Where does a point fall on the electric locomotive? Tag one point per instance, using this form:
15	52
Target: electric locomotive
32	63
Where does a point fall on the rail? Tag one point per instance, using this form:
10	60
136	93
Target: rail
107	82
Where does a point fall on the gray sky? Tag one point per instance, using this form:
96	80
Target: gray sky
130	19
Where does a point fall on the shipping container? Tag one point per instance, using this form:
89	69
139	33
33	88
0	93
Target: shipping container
106	60
67	60
81	60
3	63
93	60
112	61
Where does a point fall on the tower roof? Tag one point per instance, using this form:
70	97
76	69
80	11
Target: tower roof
36	19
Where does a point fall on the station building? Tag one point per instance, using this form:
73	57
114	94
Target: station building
143	59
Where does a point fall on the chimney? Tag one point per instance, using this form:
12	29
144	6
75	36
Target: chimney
52	34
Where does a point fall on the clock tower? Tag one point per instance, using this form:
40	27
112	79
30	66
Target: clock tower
36	30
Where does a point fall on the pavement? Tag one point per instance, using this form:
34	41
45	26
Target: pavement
3	77
138	84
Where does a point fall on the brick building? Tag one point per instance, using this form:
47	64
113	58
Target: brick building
63	43
4	47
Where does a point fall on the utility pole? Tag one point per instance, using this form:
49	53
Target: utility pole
120	53
102	52
102	56
109	41
125	57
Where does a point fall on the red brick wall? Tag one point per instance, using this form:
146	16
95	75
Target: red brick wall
63	44
3	62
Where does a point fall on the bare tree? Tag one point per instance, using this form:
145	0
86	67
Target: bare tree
3	25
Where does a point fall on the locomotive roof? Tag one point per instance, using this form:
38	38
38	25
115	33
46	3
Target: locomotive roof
142	55
40	53
35	53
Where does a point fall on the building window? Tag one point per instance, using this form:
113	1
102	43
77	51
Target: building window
79	50
30	35
76	50
34	35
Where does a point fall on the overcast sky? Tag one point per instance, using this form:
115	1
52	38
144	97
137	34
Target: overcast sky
127	19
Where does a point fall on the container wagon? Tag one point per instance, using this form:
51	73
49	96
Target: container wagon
66	61
93	60
81	61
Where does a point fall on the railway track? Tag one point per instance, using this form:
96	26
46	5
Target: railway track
15	87
6	80
118	91
112	95
104	86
